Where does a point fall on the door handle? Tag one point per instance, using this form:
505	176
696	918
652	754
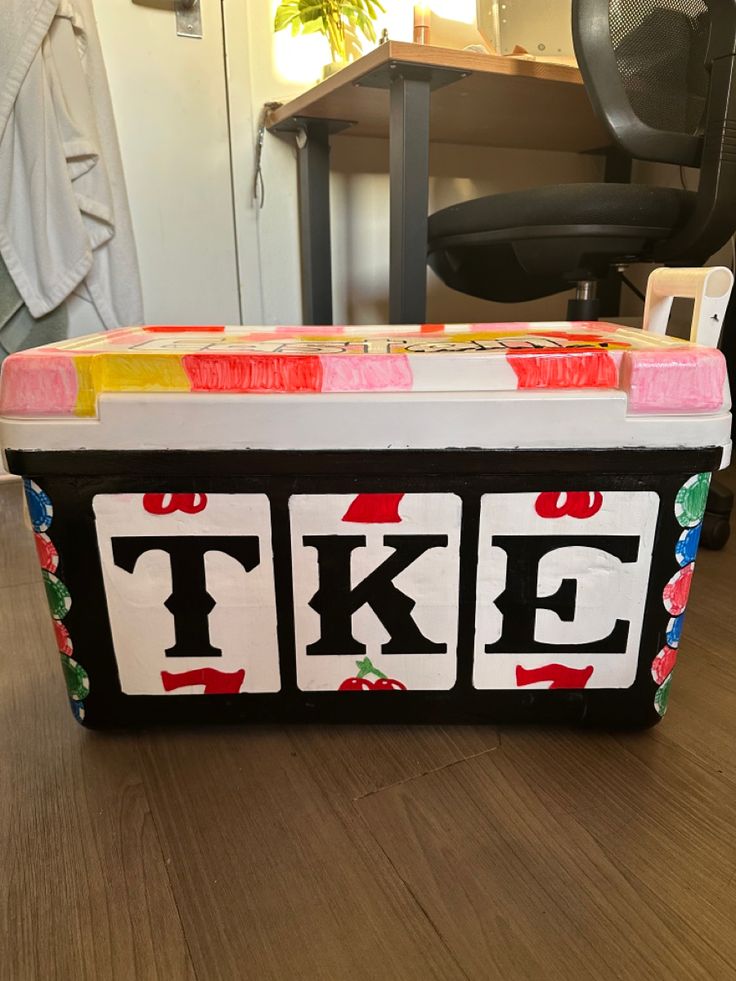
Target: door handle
188	14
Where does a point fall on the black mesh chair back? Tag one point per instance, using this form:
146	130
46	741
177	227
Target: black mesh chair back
660	73
660	50
645	67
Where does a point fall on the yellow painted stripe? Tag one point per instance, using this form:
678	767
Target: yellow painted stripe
126	372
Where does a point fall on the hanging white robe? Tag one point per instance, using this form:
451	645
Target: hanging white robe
64	219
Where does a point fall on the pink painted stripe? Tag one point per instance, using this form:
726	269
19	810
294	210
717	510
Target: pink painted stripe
36	383
315	331
513	326
678	380
366	373
189	329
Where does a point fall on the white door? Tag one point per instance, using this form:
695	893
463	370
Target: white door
170	99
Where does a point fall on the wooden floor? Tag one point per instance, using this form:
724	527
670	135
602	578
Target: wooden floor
316	853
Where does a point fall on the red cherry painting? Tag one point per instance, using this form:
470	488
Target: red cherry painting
356	684
361	683
576	504
169	503
388	684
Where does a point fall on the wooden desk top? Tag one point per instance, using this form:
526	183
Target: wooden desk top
502	101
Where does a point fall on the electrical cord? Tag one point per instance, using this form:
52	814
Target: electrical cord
259	186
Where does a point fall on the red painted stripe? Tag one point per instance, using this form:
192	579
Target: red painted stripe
564	369
431	328
374	509
253	372
173	329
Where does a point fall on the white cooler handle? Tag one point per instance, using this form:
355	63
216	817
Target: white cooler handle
710	288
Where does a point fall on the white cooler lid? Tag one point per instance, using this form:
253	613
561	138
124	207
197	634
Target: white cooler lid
553	385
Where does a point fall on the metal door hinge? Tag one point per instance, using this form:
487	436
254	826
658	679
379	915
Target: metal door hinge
188	18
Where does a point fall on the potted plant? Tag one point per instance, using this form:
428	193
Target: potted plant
341	21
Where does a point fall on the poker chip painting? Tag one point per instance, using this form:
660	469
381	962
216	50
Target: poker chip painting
662	697
41	512
46	551
57	594
674	630
40	509
687	546
77	681
690	504
691	500
663	664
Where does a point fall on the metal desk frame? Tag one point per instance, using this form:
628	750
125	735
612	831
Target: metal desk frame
410	86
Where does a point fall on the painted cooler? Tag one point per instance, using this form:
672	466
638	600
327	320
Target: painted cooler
475	523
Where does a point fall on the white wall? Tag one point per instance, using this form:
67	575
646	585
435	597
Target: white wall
169	96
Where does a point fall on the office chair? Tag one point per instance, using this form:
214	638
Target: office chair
662	75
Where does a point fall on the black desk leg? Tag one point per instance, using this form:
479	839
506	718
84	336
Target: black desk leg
409	133
618	171
313	163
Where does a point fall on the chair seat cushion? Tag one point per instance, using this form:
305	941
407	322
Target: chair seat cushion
527	244
622	205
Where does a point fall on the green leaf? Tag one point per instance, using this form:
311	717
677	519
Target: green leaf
309	10
372	7
361	20
353	47
330	17
336	36
353	11
285	15
313	27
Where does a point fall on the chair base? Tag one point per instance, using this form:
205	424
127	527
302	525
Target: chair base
588	308
716	523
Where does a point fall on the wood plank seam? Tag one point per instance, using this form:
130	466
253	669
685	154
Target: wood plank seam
426	773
